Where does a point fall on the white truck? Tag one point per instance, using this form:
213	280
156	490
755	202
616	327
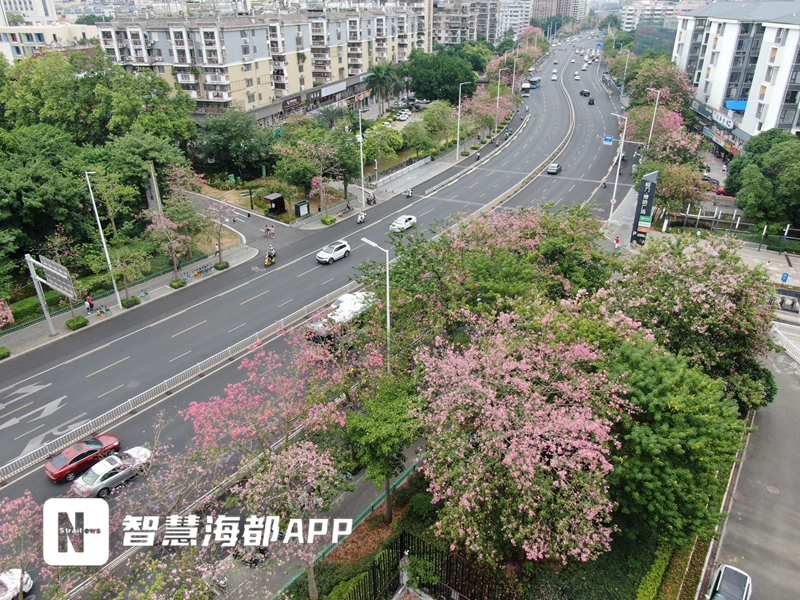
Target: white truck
344	309
526	89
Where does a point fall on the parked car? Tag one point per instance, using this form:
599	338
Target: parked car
402	223
335	251
11	581
730	583
554	169
115	470
79	457
586	93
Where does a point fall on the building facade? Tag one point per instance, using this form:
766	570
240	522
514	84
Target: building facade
515	16
33	11
27	40
269	65
744	61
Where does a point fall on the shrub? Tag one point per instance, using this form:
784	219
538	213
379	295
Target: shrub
328	220
4	352
414	485
421	572
475	146
328	576
484	141
421	508
221	265
131	302
177	284
464	153
343	589
648	588
77	323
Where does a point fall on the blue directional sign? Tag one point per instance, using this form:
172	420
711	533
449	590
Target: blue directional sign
599	45
608	140
785	277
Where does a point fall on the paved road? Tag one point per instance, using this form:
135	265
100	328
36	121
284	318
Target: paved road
66	383
760	535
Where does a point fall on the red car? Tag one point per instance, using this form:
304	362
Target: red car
80	457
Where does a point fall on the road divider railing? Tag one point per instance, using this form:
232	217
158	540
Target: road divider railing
105	420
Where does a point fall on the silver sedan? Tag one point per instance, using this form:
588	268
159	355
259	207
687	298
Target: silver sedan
115	470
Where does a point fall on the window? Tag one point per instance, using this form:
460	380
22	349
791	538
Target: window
772	54
738	61
740	45
720	28
787	116
791	97
759	111
732	91
247	67
161	69
735	77
770	73
706	86
251	98
758	126
243	34
745	28
248	83
793	78
762	92
299	68
714	57
245	50
778	35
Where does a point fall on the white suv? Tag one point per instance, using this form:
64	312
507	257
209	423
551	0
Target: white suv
334	251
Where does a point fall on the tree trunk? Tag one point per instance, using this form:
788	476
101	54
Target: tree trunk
312	583
387	505
174	268
125	285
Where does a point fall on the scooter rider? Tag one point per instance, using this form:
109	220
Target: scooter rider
271	252
478	156
604	182
362	216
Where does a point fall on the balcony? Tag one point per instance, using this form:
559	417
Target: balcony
219	96
192	93
321	79
280	78
321	57
108	42
319	44
186	78
218	78
381	55
279	93
179	43
352	72
354	61
320	73
354	37
322	66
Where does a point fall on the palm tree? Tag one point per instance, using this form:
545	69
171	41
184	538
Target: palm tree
380	82
329	115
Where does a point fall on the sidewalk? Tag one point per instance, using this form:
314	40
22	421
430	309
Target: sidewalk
37	335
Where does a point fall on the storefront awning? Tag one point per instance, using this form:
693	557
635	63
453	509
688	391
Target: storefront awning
736	105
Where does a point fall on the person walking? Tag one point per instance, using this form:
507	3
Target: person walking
88	307
90	303
272	231
616	243
216	249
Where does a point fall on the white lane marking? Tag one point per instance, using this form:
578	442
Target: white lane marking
237	327
109	366
253	298
114	390
189	328
309	271
29	432
285	303
180	356
329	280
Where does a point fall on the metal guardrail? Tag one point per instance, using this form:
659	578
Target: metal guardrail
20	464
778	330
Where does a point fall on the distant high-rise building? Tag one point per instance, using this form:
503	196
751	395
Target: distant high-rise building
33	11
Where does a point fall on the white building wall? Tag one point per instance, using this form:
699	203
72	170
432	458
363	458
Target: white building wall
774	72
717	59
683	43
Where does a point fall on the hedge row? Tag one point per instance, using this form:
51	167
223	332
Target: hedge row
651	583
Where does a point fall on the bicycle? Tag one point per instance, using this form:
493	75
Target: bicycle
144	295
103	311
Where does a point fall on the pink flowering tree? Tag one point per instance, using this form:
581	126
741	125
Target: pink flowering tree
6	315
519	432
702	302
660	74
217	216
21	532
671	142
165	234
321	191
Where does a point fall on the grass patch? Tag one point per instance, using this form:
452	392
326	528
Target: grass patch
328	220
76	323
4	352
131	302
221	265
695	570
177	284
673	576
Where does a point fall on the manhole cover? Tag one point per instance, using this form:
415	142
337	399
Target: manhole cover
133	384
738	497
773	490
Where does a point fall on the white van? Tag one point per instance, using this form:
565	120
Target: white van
555	71
583	68
577	76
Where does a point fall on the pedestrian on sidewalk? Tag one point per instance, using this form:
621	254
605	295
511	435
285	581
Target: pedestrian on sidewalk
616	243
88	307
272	231
216	249
90	303
769	264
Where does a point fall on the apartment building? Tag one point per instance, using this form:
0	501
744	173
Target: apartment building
515	16
33	11
454	23
541	10
744	61
28	40
270	65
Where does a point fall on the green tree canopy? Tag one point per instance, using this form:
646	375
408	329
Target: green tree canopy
232	143
438	77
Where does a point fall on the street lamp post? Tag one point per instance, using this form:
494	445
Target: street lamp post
102	237
625	74
655	110
388	312
458	123
497	106
360	138
514	75
619	164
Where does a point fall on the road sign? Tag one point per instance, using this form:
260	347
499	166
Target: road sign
608	140
613	201
785	277
57	277
599	45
